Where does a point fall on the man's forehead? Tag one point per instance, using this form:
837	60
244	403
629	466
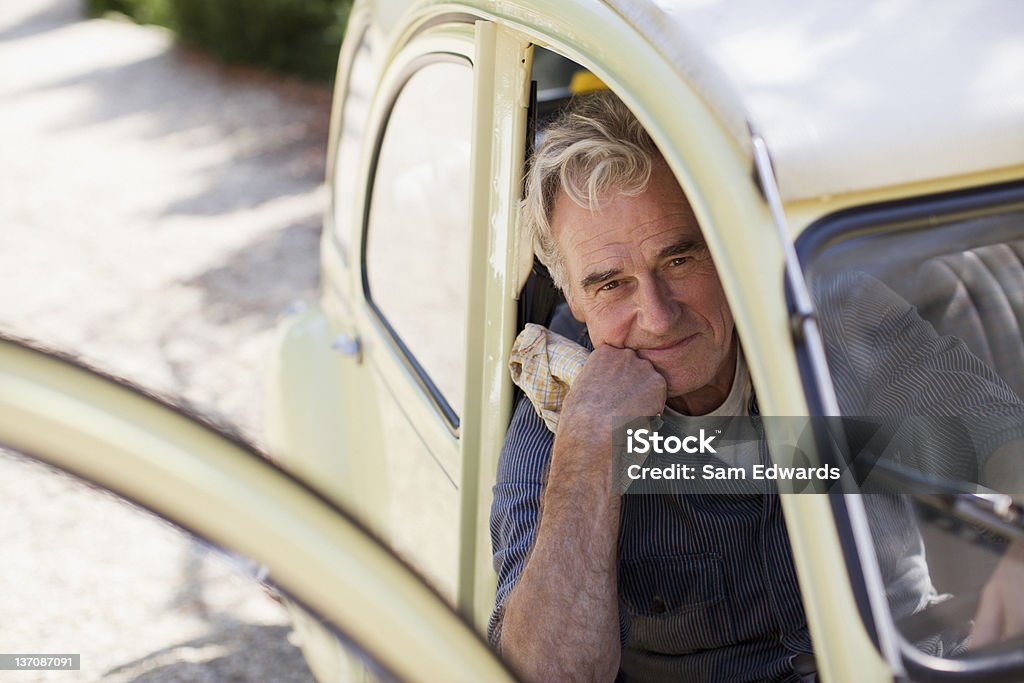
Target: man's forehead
655	218
672	225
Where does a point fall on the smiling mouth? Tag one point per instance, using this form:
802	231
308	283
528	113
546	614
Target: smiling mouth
667	349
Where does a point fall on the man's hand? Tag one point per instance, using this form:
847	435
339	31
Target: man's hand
1001	610
1000	613
614	382
561	621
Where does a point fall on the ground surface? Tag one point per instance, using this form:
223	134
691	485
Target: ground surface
157	214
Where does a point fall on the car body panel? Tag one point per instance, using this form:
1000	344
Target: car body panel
305	356
809	76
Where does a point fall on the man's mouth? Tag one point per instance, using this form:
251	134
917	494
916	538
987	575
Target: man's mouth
666	350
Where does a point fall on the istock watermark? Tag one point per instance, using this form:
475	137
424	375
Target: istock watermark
770	455
649	441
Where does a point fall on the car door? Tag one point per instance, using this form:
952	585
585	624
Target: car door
412	308
222	490
417	292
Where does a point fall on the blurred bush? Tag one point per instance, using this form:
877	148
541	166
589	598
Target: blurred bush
295	36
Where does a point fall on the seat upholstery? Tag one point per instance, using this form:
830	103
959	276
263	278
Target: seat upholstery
978	296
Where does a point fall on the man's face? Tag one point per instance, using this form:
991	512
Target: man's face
640	277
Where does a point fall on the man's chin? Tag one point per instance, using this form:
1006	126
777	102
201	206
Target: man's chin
682	384
680	388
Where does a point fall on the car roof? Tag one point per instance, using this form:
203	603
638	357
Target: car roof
852	96
848	96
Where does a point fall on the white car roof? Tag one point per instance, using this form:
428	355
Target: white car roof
852	95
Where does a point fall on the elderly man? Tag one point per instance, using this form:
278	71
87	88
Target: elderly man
668	587
631	584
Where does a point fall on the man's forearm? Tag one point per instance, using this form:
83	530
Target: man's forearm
561	622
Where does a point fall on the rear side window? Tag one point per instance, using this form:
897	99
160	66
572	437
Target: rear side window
417	240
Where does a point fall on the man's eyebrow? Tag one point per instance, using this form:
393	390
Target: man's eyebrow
596	278
685	246
682	247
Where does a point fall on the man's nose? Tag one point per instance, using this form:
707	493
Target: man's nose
658	310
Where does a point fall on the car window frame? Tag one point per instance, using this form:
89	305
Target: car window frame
857	546
425	382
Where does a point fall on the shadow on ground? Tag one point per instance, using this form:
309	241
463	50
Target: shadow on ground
55	16
234	139
258	281
270	131
273	131
234	651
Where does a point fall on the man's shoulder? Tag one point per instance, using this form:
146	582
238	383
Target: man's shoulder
527	449
564	324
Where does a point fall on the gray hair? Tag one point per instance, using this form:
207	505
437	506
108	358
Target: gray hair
594	147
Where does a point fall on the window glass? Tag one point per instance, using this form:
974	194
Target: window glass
921	322
418	225
350	136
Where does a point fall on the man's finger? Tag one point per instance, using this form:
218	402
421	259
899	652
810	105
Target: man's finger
989	621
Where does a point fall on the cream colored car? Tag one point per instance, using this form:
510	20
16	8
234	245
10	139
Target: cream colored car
821	144
813	140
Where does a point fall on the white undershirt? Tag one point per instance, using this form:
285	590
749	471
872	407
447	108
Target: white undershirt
737	403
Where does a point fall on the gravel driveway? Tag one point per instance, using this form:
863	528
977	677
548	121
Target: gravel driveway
158	212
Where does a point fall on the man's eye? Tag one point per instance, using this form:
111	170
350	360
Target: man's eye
678	261
608	286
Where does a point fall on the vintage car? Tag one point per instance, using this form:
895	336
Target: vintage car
813	140
821	145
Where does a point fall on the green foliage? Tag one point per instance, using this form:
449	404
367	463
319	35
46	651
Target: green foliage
297	36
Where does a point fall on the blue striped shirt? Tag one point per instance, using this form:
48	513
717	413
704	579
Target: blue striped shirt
710	577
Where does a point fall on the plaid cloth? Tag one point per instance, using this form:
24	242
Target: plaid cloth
544	364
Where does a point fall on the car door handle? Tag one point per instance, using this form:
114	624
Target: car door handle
347	345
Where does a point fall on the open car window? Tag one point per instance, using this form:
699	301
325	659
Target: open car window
921	307
555	79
